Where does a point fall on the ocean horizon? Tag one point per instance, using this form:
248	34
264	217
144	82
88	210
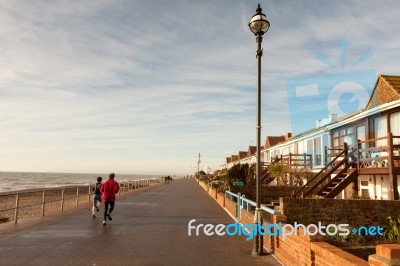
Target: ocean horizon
14	181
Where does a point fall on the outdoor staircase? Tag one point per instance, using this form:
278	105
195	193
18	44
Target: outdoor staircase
338	183
265	176
322	184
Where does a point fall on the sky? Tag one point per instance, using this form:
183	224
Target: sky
143	87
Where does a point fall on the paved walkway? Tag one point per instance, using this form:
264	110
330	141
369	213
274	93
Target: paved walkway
148	228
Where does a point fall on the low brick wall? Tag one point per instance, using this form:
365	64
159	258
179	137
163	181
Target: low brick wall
386	255
221	198
354	212
326	254
231	206
310	250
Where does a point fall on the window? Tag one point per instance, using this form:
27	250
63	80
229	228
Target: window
318	151
286	151
380	130
310	146
343	135
395	126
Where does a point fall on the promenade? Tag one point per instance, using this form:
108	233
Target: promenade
150	227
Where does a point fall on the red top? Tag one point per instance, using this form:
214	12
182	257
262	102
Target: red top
109	189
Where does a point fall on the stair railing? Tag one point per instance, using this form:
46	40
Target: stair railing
321	174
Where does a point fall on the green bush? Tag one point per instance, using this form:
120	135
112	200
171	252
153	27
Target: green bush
239	172
391	230
353	239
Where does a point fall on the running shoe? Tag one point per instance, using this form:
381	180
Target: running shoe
109	217
104	222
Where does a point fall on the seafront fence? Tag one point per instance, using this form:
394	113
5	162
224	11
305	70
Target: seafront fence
38	202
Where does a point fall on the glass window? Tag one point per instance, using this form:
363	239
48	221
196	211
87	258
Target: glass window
310	146
380	130
318	151
335	142
395	126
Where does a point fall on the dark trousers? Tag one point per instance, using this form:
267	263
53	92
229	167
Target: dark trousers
107	204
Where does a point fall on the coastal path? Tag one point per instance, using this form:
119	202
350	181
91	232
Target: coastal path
149	227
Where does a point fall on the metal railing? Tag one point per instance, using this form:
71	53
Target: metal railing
247	204
37	202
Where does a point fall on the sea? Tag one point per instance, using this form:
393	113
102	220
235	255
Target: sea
13	181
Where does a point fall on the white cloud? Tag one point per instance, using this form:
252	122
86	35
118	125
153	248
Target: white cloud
135	86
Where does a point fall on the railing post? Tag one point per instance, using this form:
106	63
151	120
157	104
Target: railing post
77	196
238	205
62	199
43	202
393	189
346	151
16	208
89	195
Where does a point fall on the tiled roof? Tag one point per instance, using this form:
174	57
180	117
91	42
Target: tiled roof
252	150
242	154
234	158
393	81
387	89
273	140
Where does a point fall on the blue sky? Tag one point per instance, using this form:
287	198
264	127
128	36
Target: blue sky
145	86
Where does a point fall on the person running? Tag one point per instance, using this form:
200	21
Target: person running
108	191
96	197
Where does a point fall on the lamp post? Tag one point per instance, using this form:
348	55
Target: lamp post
198	165
258	25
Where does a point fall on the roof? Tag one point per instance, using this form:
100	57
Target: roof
387	89
242	154
273	140
252	150
234	158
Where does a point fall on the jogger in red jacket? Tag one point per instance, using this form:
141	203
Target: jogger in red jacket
108	191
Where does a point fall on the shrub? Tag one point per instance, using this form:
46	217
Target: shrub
391	230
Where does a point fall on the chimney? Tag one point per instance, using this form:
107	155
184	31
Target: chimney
288	136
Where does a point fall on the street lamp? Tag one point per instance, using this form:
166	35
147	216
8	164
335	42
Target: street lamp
258	25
